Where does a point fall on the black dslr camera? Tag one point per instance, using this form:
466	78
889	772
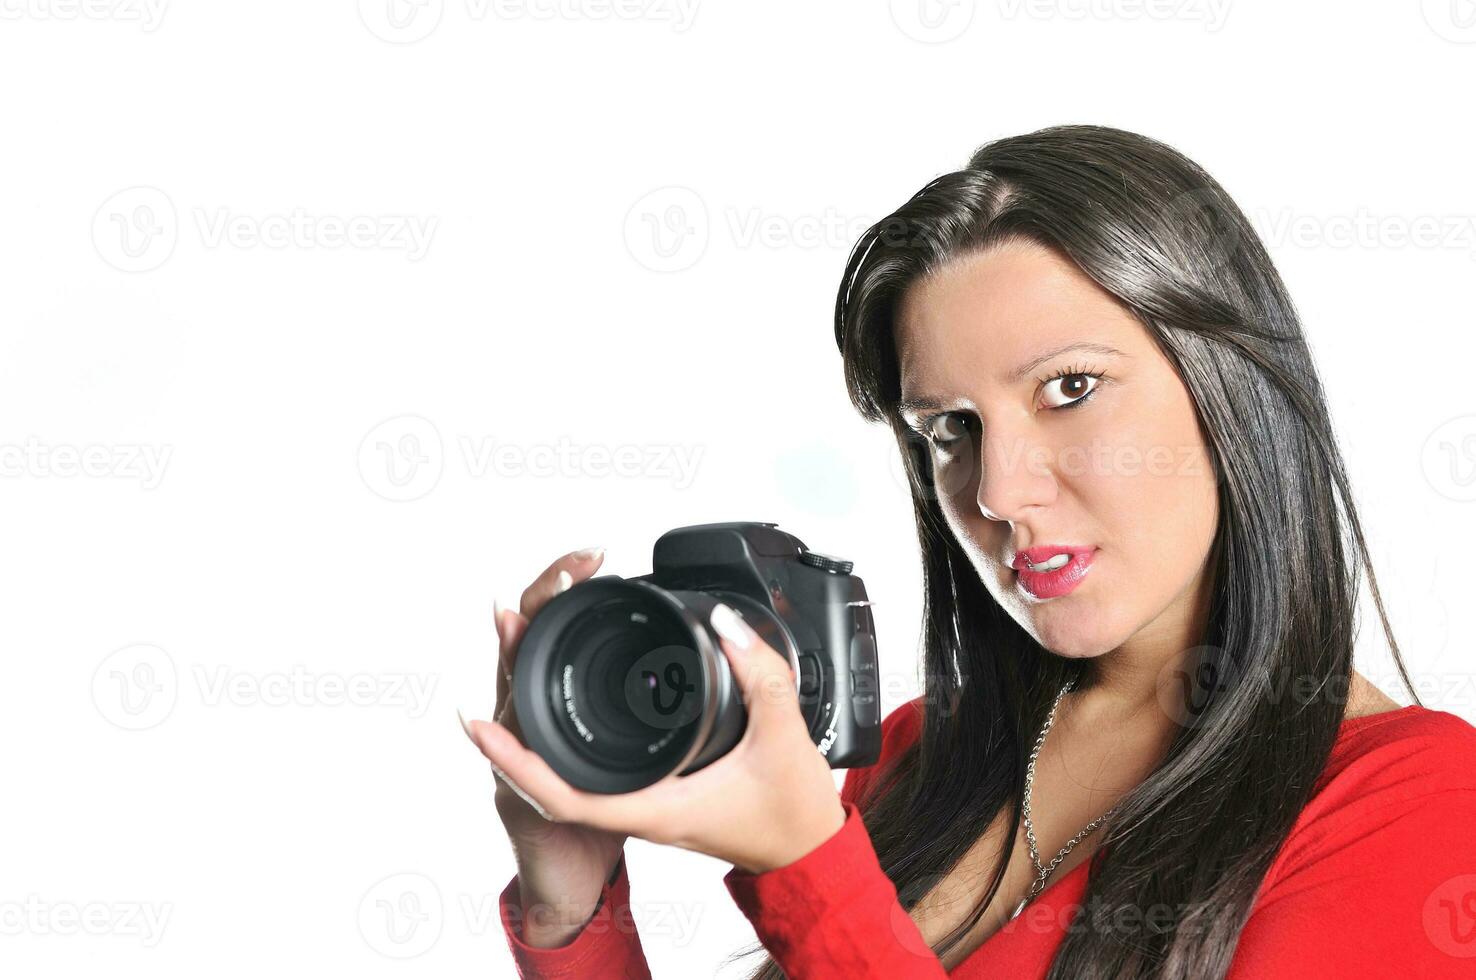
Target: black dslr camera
621	682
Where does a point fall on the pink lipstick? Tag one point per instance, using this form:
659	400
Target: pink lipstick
1044	574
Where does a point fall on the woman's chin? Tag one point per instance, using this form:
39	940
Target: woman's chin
1075	640
1075	649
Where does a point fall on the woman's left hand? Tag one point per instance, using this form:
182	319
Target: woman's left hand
767	802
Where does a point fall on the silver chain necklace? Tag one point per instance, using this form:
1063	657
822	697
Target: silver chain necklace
1042	873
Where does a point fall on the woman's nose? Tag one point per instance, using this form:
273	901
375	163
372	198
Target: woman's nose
1015	474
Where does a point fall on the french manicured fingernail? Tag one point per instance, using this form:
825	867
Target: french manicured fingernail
589	554
497	616
466	727
565	580
730	627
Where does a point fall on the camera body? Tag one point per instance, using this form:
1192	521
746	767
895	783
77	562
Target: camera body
619	682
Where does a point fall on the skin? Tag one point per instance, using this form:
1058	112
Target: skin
767	802
1011	474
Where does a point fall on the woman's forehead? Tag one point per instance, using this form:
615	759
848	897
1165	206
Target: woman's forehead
997	313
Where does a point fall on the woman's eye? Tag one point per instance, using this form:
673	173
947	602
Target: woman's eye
1070	389
945	429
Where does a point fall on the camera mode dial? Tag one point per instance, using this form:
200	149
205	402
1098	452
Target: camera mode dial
836	566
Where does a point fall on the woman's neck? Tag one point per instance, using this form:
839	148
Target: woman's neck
1143	678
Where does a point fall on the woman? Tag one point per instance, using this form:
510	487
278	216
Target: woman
1142	750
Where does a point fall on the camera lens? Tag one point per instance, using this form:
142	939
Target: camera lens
629	678
619	683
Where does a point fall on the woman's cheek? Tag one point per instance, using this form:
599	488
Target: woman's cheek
956	483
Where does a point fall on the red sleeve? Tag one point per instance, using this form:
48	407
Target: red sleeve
1381	880
834	912
608	945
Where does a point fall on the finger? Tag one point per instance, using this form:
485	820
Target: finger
764	676
510	626
543	789
484	735
471	733
559	576
512	629
576	566
504	680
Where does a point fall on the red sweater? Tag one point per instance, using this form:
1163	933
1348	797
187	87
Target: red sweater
1377	879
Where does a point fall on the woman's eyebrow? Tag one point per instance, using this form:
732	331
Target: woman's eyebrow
1019	373
917	404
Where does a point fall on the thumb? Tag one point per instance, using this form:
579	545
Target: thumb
763	674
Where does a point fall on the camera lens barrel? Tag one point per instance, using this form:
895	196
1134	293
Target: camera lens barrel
620	683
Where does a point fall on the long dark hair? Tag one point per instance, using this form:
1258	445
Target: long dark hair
1272	672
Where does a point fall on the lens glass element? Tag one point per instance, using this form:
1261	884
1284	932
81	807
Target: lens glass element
629	683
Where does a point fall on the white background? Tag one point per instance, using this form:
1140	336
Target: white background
179	634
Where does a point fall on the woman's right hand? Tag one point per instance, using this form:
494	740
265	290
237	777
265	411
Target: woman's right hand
562	867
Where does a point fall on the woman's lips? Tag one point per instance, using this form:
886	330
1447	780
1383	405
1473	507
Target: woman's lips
1058	582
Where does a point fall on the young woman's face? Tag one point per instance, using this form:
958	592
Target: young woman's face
1039	442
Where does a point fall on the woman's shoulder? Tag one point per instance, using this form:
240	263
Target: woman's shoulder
1407	745
1391	760
1398	792
1376	876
